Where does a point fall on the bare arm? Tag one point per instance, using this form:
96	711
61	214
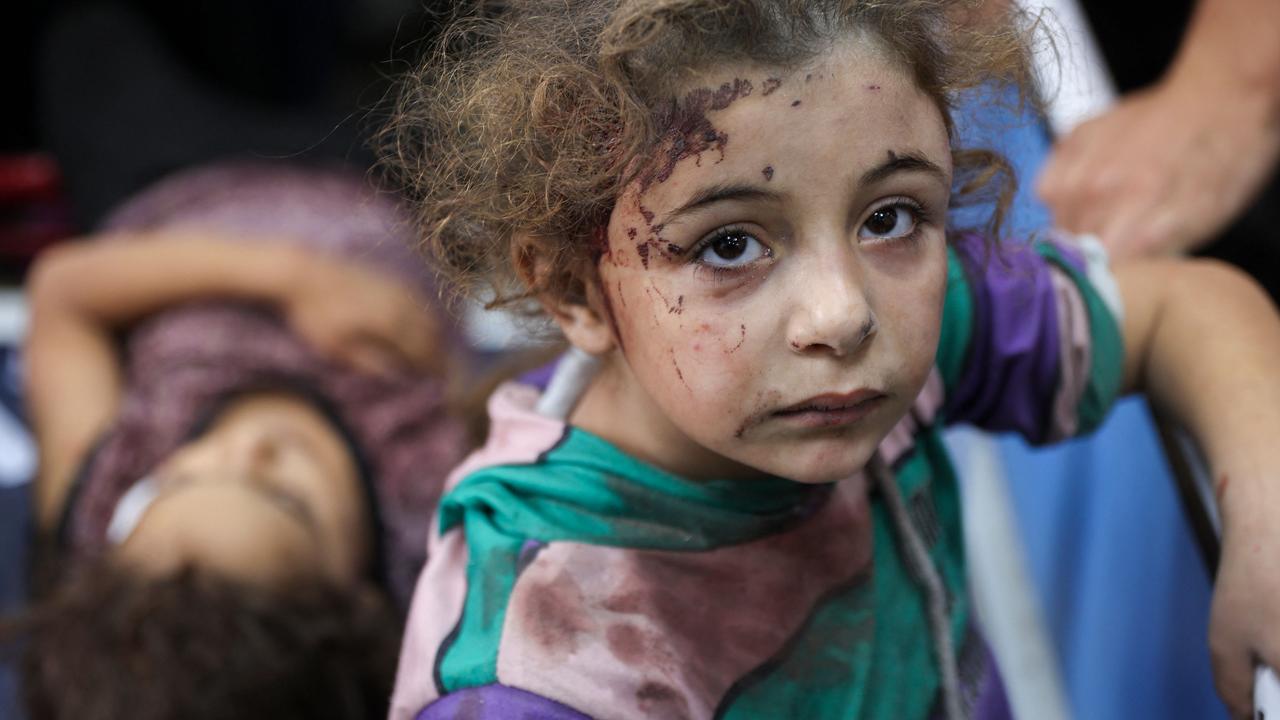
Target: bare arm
1236	41
1203	341
1169	167
80	295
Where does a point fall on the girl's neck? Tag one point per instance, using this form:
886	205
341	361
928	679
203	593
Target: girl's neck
616	408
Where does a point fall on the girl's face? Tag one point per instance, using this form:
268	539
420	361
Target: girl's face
268	492
775	277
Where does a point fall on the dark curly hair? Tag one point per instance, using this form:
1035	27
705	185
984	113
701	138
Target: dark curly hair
110	643
532	117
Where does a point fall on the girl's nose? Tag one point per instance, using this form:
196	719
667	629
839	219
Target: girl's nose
254	454
833	313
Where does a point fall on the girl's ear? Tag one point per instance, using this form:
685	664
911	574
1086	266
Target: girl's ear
584	319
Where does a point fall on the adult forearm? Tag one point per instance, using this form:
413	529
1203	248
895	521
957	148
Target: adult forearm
1236	43
117	281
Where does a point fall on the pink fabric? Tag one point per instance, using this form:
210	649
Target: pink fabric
610	632
592	626
517	435
1076	359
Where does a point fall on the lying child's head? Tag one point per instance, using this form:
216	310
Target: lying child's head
739	205
115	643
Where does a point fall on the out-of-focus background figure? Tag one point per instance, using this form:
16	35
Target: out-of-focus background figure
259	473
238	393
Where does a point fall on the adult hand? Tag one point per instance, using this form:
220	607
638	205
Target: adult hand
362	318
1167	169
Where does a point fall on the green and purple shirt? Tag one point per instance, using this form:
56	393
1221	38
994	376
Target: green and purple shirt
569	580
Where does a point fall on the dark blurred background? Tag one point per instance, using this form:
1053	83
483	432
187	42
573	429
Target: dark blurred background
106	97
103	98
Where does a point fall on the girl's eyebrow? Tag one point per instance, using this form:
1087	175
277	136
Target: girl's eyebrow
906	161
720	193
895	162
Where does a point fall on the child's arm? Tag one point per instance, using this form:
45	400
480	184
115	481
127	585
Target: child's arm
81	294
1203	342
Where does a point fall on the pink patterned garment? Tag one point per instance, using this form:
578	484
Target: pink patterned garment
181	361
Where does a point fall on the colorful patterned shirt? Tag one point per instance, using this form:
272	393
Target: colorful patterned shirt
570	580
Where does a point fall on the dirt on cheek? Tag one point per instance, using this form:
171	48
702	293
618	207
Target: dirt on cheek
742	337
761	405
679	373
730	340
676	308
654	313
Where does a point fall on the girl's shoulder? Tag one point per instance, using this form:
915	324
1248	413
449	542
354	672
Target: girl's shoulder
1030	336
518	433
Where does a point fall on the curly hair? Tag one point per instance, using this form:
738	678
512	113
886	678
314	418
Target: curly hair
531	119
110	643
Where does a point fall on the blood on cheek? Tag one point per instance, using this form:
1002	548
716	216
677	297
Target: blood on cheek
662	334
729	339
689	134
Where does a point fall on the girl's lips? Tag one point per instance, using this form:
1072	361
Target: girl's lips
831	410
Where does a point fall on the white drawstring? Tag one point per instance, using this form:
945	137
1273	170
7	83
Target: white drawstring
927	576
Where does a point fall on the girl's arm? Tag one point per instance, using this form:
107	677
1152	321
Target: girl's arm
81	294
1203	342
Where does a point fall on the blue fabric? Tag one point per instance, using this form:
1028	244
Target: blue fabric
15	531
1125	593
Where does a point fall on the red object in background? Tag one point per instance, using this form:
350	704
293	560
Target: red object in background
34	212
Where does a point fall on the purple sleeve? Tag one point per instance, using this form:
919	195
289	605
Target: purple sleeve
540	377
1013	370
497	702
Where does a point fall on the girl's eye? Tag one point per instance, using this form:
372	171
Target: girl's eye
730	249
286	499
888	222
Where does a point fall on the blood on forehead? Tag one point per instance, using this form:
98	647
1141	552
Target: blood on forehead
687	132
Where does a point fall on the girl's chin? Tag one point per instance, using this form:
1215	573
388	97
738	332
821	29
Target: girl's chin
823	478
831	466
